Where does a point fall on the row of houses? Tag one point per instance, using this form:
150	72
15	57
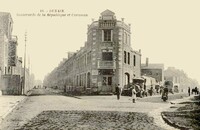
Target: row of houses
106	60
11	70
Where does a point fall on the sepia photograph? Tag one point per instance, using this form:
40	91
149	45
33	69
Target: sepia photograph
99	65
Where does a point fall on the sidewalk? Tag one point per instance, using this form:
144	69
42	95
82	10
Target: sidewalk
184	114
8	103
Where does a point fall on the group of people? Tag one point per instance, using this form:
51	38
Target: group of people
118	92
134	91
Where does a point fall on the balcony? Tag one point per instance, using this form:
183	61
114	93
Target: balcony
106	64
107	23
107	44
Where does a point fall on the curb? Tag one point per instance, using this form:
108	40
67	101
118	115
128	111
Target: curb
11	109
173	124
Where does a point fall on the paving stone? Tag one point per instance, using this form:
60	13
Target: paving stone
90	120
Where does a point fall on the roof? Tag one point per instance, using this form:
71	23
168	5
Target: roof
152	66
108	12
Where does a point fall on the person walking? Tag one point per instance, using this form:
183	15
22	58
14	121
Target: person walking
189	91
133	94
118	91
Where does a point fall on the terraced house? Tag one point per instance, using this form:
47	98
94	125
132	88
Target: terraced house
107	59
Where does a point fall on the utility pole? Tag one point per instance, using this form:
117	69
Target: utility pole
25	64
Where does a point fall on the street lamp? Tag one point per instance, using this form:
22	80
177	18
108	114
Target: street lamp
25	63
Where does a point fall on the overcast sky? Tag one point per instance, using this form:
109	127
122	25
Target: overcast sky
165	31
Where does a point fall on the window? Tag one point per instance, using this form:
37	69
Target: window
128	58
77	81
124	56
107	55
107	35
134	60
128	39
125	37
88	58
104	81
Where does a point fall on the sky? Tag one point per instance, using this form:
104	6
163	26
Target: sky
166	31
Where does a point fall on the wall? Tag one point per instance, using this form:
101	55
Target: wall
11	85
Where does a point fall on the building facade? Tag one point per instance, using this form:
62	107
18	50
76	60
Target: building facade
11	73
107	59
153	70
5	37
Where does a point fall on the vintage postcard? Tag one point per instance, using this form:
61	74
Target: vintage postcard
99	64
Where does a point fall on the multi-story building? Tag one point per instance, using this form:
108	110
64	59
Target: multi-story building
8	44
5	37
107	59
153	70
10	65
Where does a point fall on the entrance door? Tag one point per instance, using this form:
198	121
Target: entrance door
127	80
107	83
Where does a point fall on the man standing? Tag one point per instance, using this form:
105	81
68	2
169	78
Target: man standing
118	92
133	94
189	91
165	91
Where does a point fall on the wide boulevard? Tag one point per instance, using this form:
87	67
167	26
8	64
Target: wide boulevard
49	109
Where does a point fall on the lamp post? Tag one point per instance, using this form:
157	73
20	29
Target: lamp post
25	64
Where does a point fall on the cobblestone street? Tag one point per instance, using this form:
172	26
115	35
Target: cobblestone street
90	120
56	111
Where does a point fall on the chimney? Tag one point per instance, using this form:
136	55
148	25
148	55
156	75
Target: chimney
147	61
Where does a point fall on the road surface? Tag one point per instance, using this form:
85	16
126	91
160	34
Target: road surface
46	109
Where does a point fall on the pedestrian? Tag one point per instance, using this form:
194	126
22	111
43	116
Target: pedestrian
189	91
151	91
161	89
196	90
133	94
118	91
165	91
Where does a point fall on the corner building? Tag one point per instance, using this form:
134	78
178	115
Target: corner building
106	60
